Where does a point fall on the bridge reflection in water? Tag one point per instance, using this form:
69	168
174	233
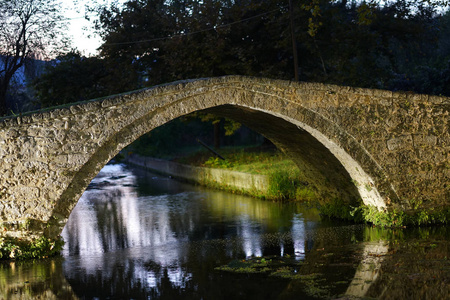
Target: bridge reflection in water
137	235
167	227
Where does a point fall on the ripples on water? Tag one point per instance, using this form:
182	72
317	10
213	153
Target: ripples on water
135	235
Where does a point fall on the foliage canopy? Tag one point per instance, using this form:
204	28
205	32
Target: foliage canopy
397	45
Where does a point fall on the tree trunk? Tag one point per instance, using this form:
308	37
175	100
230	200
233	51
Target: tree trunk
3	89
217	135
11	66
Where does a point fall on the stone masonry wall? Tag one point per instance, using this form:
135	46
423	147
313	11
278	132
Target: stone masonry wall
390	149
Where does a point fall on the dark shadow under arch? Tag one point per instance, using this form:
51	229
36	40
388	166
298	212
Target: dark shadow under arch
321	167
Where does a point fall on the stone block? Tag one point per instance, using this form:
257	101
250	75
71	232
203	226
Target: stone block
399	143
424	140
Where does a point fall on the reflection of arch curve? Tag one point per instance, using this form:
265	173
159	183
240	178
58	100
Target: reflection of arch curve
368	269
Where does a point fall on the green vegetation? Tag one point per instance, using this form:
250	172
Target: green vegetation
285	267
248	160
180	138
284	175
405	258
72	66
252	266
286	185
370	214
395	45
12	248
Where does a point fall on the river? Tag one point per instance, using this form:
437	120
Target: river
137	235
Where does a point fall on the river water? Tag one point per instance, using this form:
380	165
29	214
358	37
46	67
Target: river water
137	235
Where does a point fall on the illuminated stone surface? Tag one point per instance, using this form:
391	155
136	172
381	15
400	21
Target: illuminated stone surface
389	149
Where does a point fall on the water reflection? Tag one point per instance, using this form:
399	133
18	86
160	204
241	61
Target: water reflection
31	280
368	269
134	235
152	238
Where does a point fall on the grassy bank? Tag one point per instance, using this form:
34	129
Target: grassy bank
254	160
284	175
286	184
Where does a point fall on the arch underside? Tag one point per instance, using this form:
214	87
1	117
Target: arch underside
326	167
319	167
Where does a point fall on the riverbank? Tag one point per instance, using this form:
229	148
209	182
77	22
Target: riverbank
258	172
252	184
268	174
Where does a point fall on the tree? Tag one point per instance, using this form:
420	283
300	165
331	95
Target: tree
356	43
132	41
180	39
29	29
72	78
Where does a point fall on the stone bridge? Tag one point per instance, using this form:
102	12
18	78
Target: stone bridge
380	148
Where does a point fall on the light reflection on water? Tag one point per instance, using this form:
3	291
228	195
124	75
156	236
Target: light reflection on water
114	223
134	235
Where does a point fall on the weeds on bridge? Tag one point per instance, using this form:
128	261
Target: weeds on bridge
395	218
13	248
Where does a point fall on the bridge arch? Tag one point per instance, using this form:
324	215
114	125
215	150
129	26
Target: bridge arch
317	145
329	132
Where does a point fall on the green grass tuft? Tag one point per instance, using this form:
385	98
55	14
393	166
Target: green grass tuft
12	248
